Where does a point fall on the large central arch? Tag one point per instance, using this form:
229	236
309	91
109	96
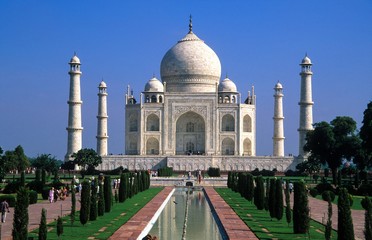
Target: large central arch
190	134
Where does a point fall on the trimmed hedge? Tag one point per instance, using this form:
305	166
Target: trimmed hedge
32	195
165	172
214	172
11	199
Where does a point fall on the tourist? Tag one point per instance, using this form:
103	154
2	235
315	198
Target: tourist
290	187
51	195
4	209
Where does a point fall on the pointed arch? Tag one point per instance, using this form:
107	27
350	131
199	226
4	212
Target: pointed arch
152	123
152	146
228	123
247	123
227	146
247	147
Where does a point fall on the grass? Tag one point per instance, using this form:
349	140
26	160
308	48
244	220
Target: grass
105	225
261	224
357	205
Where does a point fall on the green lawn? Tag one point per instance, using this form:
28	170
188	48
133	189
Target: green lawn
105	225
357	205
261	224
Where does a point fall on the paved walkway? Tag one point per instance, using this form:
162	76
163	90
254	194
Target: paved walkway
319	212
235	227
133	228
34	214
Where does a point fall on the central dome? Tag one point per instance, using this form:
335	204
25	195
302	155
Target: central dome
190	66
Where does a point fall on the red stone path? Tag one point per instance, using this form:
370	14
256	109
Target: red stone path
133	228
235	227
319	211
34	215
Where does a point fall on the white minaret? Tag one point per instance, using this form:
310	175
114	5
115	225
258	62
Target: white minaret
306	104
278	138
102	120
74	128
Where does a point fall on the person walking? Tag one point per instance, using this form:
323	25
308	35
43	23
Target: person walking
51	195
4	209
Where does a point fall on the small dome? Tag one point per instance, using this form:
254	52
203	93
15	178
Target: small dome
227	85
154	85
278	86
75	59
102	85
306	60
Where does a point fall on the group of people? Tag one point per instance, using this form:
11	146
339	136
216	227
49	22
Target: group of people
54	194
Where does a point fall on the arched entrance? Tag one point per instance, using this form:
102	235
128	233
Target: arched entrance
190	134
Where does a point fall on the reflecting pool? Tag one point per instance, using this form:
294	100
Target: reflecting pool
199	223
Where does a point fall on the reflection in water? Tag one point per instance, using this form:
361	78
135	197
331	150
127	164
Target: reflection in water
200	222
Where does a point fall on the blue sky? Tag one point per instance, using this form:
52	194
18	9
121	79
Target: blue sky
123	42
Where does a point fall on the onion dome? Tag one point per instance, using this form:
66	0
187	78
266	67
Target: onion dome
154	85
278	86
306	61
102	85
227	85
75	60
190	66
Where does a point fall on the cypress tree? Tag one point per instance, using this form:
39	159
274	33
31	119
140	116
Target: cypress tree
242	184
345	222
259	193
38	175
272	198
43	232
229	179
93	201
20	221
101	200
288	213
367	219
73	205
267	192
23	179
108	193
301	216
85	202
250	189
43	177
59	227
279	199
122	188
135	184
328	226
130	188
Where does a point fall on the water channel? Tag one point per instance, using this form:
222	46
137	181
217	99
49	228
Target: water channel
187	215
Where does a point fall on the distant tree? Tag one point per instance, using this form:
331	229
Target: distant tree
68	165
43	177
310	166
331	143
259	193
85	202
47	162
122	187
288	213
101	200
267	194
272	198
345	222
365	133
38	175
88	159
43	231
59	227
20	220
279	199
15	160
108	193
3	167
93	201
301	216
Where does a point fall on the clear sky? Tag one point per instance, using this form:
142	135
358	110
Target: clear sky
123	42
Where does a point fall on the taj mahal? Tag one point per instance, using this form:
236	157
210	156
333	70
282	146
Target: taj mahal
191	118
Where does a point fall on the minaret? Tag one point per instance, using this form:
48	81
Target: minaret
102	120
278	137
306	104
74	128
